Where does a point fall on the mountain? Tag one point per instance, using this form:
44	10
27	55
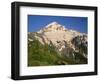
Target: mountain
70	45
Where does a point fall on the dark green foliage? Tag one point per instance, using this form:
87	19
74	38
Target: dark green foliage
79	58
39	54
81	46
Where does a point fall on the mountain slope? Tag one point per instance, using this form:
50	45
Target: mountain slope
69	46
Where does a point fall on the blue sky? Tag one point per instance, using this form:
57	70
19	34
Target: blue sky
36	22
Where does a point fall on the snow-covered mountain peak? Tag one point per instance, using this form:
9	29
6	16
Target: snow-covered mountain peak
52	23
53	26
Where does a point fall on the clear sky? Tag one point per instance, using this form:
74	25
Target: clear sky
36	22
